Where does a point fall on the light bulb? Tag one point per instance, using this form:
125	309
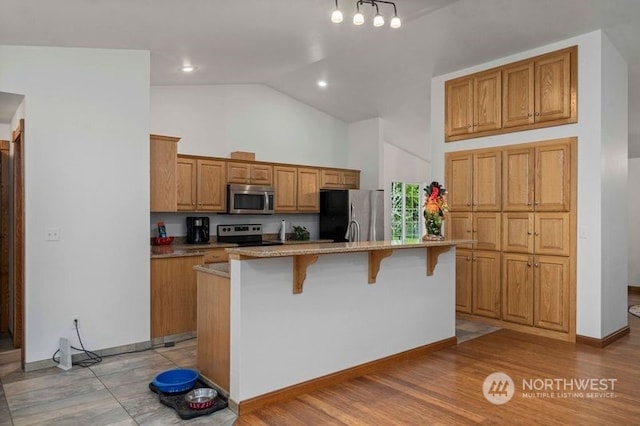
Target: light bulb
378	20
336	16
188	68
358	19
395	22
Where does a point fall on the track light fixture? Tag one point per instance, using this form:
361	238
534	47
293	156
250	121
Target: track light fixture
358	18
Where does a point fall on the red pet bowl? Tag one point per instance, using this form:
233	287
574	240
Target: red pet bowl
161	241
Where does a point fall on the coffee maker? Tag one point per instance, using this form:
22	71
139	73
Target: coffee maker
197	230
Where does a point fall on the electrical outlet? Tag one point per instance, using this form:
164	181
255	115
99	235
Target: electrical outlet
75	319
53	234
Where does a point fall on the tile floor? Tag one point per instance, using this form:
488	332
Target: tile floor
115	391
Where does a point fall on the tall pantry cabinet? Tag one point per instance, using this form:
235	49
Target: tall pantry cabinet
520	273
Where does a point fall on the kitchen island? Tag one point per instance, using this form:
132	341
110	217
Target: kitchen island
284	320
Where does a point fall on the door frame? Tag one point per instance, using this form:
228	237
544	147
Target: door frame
18	238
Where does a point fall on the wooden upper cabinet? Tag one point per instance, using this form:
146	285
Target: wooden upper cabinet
459	106
211	186
201	185
518	179
553	87
308	190
339	179
517	232
487	183
285	182
460	227
459	180
248	173
186	184
529	94
552	234
553	178
163	152
487	230
518	95
487	111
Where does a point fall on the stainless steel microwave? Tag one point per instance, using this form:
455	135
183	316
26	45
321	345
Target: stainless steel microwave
250	199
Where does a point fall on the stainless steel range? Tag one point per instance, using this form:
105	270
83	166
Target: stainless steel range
243	235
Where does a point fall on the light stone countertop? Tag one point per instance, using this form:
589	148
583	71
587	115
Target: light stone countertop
328	248
184	250
221	269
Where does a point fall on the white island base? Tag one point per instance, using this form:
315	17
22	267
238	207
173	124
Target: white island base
285	341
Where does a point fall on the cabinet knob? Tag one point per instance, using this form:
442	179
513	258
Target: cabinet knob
529	264
536	265
537	113
529	203
536	233
536	203
529	115
468	204
469	126
468	230
468	258
475	260
529	233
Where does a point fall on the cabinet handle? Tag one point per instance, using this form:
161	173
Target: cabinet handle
475	230
537	113
468	258
536	265
529	264
474	259
469	126
536	234
529	203
468	230
468	204
529	115
529	233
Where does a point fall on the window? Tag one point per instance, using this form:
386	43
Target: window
406	211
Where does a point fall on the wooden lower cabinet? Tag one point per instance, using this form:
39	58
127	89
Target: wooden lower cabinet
535	290
214	328
173	295
218	255
485	228
478	282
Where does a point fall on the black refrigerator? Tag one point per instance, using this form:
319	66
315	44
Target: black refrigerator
352	215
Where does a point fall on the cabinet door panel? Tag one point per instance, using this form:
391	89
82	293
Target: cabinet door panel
331	179
518	95
163	152
551	302
464	279
211	186
459	182
486	283
552	233
553	87
518	179
517	288
186	177
459	106
486	230
460	227
487	184
238	172
553	178
261	174
286	188
487	97
517	232
351	180
308	190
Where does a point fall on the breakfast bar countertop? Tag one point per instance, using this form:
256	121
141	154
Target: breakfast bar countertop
184	250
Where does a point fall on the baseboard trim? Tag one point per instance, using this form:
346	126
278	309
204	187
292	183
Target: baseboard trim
634	289
293	391
605	341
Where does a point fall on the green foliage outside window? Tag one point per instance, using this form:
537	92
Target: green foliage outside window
405	211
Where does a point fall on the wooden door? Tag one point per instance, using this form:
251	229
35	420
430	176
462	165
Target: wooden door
487	182
518	179
163	153
553	87
553	178
4	237
486	230
238	173
486	283
517	232
487	99
211	186
551	231
308	189
459	106
551	297
460	227
331	179
518	95
186	178
285	181
459	181
18	138
351	180
464	280
517	288
262	174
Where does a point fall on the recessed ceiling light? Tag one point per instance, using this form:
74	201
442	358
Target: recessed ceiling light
188	68
322	83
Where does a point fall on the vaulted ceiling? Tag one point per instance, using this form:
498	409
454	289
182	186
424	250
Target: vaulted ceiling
290	44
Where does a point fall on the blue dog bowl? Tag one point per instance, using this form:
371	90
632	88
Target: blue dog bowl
176	380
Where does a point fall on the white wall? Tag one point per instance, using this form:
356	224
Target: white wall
589	132
87	173
614	166
5	132
216	120
634	223
365	152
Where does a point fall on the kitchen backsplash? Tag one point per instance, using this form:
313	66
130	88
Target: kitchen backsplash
176	223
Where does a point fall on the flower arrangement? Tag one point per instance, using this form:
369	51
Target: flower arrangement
435	207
